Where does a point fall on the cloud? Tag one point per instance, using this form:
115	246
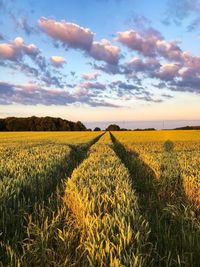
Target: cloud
90	76
92	85
167	96
147	98
6	88
187	84
16	49
128	91
168	72
1	36
138	22
144	45
33	94
70	34
74	36
57	61
125	86
109	68
180	10
93	97
22	23
194	25
147	66
169	50
105	51
151	44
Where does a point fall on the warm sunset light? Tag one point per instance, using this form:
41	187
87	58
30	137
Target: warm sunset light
99	133
100	60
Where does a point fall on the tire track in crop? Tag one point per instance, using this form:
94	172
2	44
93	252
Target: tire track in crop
38	209
175	237
105	213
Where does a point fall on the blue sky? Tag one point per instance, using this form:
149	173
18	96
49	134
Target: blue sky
100	60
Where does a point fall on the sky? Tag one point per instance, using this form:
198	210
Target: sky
100	60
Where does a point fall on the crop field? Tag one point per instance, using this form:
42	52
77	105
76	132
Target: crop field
100	199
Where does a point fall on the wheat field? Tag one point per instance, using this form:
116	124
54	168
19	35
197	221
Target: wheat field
100	199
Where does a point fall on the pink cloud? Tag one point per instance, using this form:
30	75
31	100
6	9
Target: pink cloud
90	76
92	85
69	33
168	71
139	65
16	49
7	51
152	44
169	50
105	51
75	36
29	87
57	61
133	40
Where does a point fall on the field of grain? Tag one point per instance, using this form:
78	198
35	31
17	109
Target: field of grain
100	199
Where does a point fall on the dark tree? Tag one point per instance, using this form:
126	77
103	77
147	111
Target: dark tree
2	125
40	124
96	129
113	127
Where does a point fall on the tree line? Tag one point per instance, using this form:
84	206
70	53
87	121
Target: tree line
40	124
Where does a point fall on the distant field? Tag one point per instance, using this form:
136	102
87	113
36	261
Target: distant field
54	137
100	199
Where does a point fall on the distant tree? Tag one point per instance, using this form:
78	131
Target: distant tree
188	128
2	125
113	127
146	129
96	129
80	126
40	124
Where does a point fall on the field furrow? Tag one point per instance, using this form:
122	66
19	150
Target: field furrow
29	179
174	223
104	211
127	199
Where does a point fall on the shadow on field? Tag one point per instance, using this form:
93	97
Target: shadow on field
28	200
170	184
175	236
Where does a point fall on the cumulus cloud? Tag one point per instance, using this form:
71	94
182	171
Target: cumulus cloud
133	40
72	35
105	51
17	49
168	71
139	65
57	61
151	44
169	50
162	60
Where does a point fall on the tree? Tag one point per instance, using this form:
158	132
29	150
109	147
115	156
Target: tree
113	127
96	129
40	124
